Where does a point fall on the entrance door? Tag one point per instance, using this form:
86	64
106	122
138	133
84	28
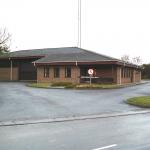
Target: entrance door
27	71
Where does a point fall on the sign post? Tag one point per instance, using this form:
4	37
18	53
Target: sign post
90	72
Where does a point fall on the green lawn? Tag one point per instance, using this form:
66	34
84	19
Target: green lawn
143	101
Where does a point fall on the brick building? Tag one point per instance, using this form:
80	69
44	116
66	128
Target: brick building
68	64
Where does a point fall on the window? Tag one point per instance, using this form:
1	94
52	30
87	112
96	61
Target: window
122	72
67	72
129	75
126	73
46	72
56	72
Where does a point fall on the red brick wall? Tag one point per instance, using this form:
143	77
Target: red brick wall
126	80
118	75
15	74
75	73
5	74
135	77
109	72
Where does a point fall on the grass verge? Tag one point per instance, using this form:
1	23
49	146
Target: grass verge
69	85
39	85
49	85
143	101
63	84
97	86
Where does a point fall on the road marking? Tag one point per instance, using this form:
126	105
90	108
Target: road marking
106	147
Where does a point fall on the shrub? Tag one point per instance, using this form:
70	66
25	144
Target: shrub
65	84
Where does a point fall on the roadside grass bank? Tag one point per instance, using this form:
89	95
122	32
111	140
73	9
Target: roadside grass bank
69	85
143	101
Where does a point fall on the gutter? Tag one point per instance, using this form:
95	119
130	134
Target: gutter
76	62
22	57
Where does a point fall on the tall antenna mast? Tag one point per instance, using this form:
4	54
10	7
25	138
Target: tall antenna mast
79	23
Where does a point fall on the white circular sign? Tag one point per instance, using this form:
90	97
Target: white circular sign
90	71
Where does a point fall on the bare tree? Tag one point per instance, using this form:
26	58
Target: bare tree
125	58
4	41
137	60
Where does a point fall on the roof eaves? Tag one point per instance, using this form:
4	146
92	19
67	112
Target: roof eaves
74	62
22	57
93	52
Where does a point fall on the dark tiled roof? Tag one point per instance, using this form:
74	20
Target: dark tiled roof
40	52
61	54
5	55
80	55
73	54
44	52
65	54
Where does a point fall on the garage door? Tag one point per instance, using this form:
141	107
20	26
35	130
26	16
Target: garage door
27	71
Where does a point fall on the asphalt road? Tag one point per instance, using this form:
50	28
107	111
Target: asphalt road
122	133
18	102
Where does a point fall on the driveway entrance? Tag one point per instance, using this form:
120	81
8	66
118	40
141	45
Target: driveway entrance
18	102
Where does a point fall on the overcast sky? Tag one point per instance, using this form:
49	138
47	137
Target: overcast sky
111	27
